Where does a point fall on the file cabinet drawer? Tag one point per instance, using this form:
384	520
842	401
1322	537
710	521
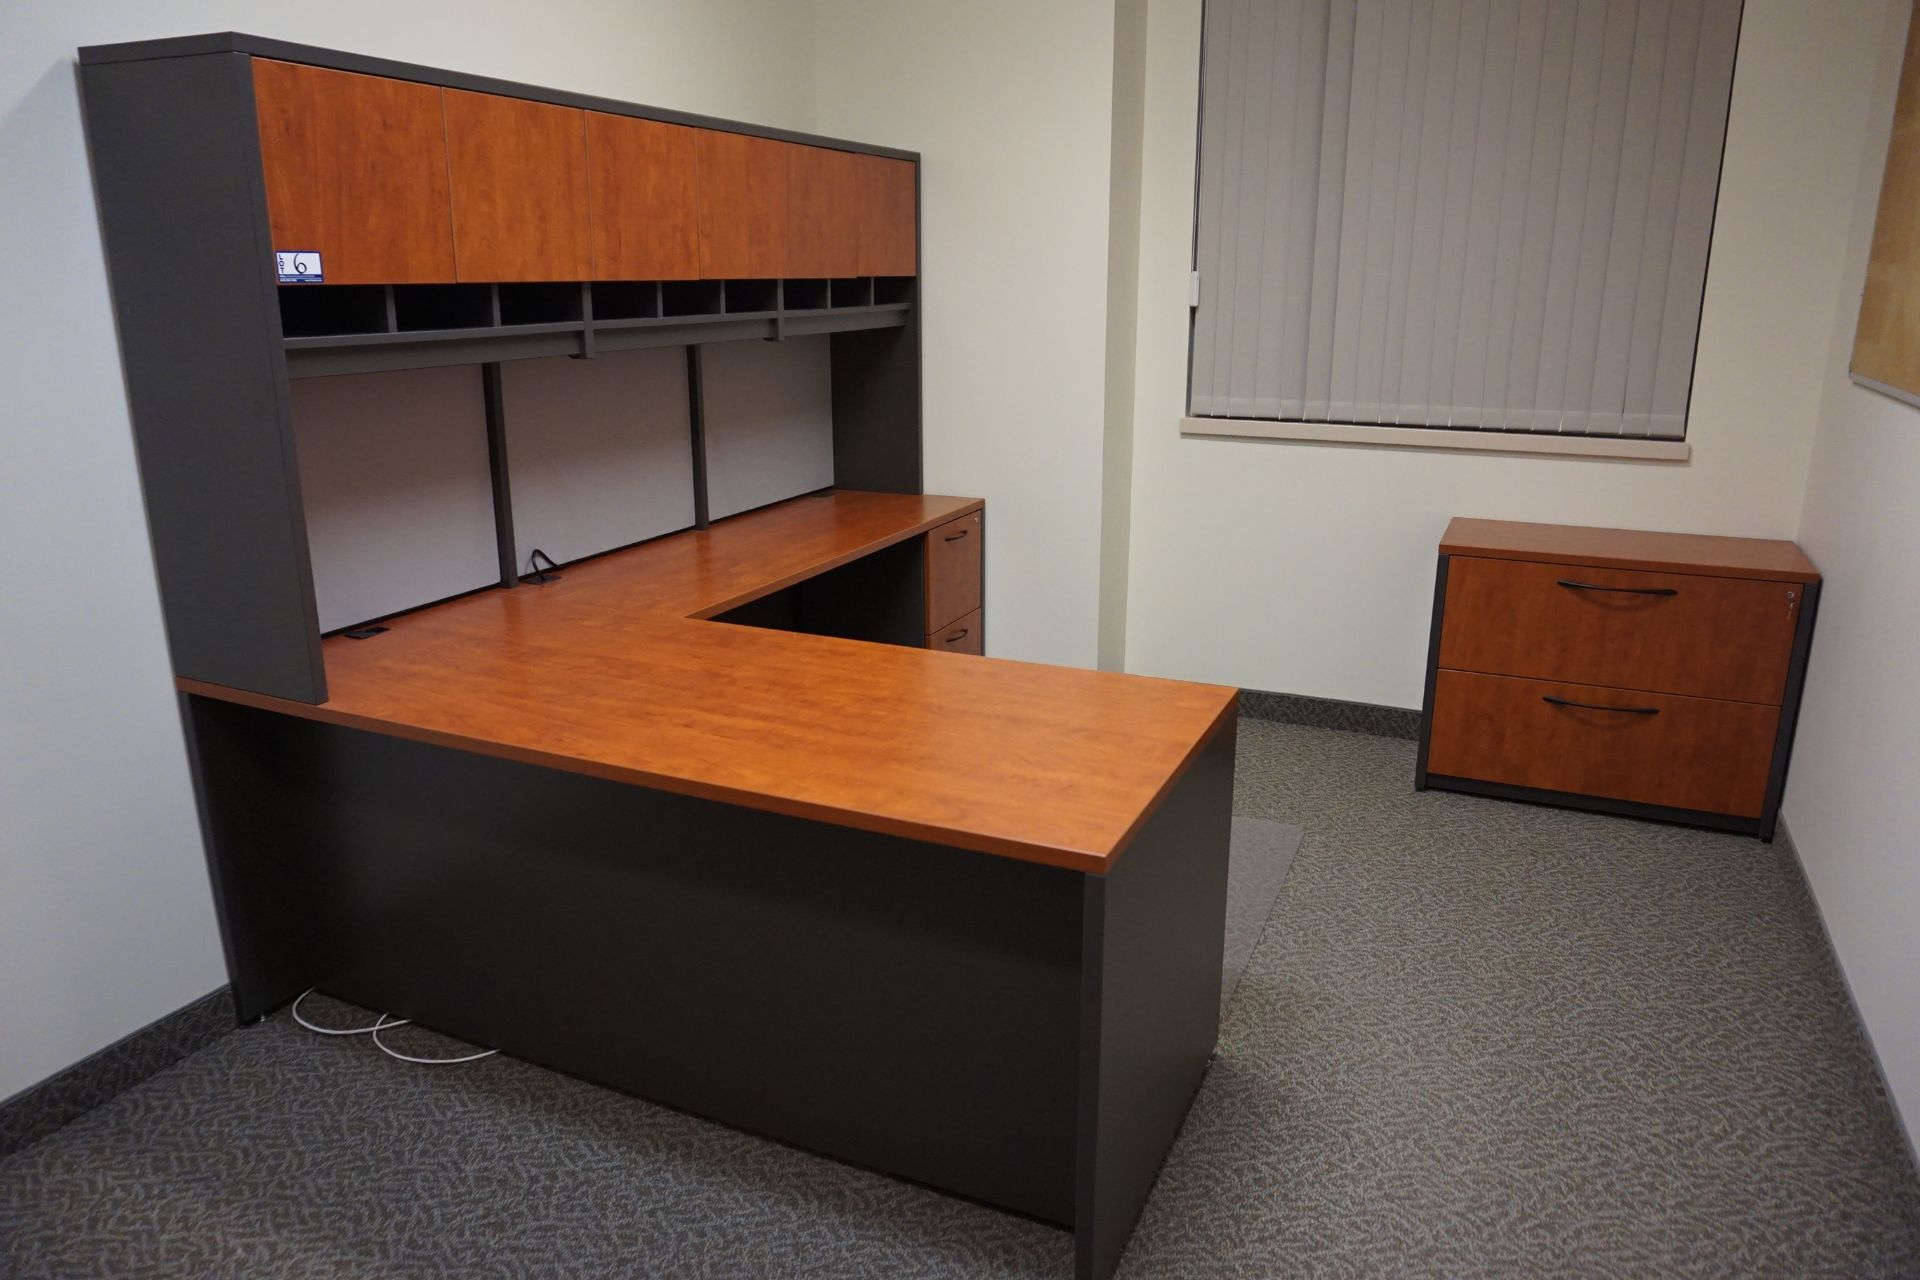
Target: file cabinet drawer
964	636
953	570
1704	754
1709	637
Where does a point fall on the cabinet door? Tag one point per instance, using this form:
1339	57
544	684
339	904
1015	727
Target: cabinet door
742	201
824	212
519	178
888	224
640	176
356	170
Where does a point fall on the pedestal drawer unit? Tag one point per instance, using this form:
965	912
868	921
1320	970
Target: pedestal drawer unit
956	563
1650	674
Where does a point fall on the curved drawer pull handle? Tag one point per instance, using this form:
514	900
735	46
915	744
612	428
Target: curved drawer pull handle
1594	706
955	537
957	636
1630	591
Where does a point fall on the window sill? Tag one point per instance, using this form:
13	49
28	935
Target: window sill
1637	450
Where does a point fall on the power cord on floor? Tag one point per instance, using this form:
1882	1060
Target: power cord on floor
391	1052
384	1023
336	1031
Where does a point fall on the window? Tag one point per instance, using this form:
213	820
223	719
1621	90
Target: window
1483	214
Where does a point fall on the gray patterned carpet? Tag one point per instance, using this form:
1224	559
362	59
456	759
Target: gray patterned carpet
1474	1039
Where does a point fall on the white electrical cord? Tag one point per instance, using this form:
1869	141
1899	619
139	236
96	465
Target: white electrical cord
385	1025
337	1031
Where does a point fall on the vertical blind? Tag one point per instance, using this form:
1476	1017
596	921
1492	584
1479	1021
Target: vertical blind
1457	213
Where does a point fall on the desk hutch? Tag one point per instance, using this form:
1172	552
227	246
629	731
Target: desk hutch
708	795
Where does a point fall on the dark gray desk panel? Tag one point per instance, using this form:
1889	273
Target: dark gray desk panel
899	1005
183	210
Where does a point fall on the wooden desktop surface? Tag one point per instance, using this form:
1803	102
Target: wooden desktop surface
609	672
1768	559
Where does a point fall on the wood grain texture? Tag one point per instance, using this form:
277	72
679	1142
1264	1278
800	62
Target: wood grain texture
1697	753
824	213
965	636
703	573
356	169
742	202
1714	638
888	217
1886	344
640	182
954	553
608	672
518	171
1765	558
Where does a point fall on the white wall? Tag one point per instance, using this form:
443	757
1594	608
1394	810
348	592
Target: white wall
1308	568
1011	106
105	919
1851	801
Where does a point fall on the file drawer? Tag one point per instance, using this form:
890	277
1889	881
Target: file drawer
1668	632
1658	749
964	636
953	570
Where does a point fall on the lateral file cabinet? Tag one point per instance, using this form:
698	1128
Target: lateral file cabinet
1657	675
955	618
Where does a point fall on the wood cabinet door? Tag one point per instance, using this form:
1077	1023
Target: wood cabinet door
824	212
519	183
888	221
640	179
742	202
356	170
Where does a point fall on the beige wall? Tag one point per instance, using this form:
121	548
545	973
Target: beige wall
105	919
1852	800
1011	106
1308	568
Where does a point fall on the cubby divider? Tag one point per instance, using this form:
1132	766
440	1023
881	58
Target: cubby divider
856	292
540	303
751	297
316	310
692	298
419	307
804	295
626	299
335	329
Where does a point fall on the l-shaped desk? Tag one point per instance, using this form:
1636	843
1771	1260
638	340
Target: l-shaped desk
955	918
950	917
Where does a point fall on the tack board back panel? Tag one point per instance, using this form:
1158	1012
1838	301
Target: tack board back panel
769	421
601	451
393	470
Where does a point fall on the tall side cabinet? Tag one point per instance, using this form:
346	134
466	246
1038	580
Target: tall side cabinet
274	212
